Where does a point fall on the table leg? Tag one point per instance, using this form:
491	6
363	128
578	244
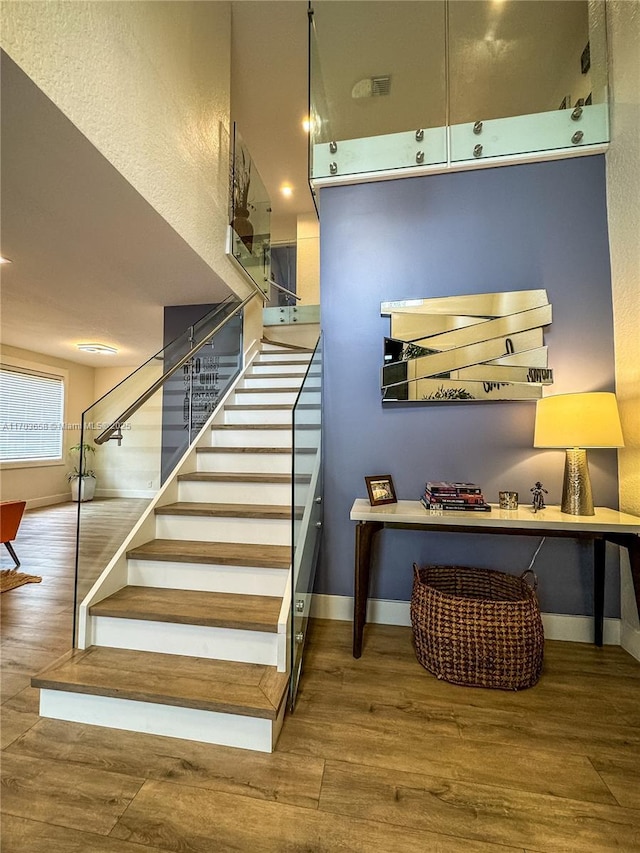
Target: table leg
632	543
365	531
599	552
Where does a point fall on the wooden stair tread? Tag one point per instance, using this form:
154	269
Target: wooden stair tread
293	390
252	690
285	362
299	376
192	607
283	345
212	477
256	407
250	426
276	450
216	553
224	510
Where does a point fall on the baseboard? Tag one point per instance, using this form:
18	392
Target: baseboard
557	626
50	500
126	493
630	640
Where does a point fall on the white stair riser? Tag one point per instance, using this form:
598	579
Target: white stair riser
262	398
175	638
267	355
250	437
307	438
168	720
234	493
271	367
257	416
271	382
208	577
245	463
308	416
252	531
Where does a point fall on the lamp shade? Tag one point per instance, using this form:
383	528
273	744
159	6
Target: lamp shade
578	420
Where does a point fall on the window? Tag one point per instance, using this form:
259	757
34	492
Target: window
31	415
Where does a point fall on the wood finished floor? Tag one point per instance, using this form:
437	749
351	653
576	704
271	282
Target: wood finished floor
379	756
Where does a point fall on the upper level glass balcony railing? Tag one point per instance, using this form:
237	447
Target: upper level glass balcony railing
249	217
411	87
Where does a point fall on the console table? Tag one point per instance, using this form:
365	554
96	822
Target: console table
607	525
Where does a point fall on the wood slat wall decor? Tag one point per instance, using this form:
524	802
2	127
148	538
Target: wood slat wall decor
378	756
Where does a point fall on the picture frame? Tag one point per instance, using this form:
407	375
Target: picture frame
381	490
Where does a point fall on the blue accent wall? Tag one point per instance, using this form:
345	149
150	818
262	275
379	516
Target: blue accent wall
540	225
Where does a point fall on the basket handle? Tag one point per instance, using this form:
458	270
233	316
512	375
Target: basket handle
526	572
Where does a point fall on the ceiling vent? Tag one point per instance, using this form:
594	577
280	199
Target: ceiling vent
372	87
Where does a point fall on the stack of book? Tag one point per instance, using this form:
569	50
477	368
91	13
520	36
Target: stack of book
465	497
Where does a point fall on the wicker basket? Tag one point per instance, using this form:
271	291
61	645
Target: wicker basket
477	627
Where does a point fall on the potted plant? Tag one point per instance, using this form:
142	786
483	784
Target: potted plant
83	486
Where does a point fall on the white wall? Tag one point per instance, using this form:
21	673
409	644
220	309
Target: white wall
308	260
39	483
148	84
623	194
131	469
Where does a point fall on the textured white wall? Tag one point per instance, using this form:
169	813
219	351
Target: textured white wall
148	84
308	260
623	197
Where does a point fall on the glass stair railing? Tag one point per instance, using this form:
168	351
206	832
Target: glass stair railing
307	508
136	433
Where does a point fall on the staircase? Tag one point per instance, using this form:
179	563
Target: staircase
193	641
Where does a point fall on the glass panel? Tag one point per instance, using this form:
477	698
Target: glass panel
283	272
378	86
145	445
307	506
250	216
291	314
526	77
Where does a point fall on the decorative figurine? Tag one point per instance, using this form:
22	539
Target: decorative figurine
538	496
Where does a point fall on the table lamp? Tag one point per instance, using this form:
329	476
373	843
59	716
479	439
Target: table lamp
576	422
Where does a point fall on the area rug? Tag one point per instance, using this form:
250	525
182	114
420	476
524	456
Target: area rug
10	579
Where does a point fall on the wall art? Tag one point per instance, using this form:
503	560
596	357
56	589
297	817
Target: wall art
487	346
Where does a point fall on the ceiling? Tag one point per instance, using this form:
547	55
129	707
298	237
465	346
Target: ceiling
92	260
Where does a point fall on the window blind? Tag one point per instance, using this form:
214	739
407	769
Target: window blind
31	415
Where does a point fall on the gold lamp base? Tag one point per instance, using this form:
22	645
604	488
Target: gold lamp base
576	489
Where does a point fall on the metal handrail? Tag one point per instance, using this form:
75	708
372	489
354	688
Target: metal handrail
283	289
142	399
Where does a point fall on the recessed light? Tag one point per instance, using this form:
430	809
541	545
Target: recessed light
103	349
286	190
5	260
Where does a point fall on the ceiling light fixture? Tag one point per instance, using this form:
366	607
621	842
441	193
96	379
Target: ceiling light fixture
102	349
286	190
306	125
5	260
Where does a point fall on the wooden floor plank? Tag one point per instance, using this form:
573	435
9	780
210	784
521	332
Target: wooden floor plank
205	821
46	791
276	777
192	607
476	811
20	835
